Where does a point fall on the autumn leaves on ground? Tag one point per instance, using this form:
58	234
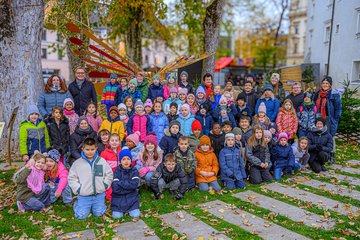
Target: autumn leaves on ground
59	219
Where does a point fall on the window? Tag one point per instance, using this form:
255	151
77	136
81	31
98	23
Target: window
358	24
295	48
43	53
337	28
327	33
296	28
59	37
147	59
355	78
43	35
165	60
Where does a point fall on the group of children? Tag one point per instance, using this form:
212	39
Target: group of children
177	139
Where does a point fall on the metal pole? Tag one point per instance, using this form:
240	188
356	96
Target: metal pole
331	31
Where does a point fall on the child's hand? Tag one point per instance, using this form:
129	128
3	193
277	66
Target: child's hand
52	183
57	194
26	158
30	163
266	165
272	130
143	171
203	173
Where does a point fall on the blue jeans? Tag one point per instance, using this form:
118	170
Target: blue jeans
232	184
133	213
40	200
278	171
297	166
84	204
148	177
204	186
65	194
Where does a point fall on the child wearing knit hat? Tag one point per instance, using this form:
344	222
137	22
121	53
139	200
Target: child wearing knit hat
148	107
134	145
132	91
125	188
184	83
200	98
109	92
123	115
113	123
208	166
172	98
194	138
171	82
205	119
170	140
182	94
186	119
307	114
139	121
284	159
70	114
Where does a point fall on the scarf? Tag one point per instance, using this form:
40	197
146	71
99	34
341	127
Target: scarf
321	102
69	112
80	83
55	88
35	180
123	117
200	101
209	90
225	117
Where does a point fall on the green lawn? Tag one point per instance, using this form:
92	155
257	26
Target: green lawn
60	219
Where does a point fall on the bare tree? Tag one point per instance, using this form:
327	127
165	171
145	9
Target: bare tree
284	4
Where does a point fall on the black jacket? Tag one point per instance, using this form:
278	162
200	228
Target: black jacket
189	87
169	142
82	97
320	140
76	140
251	100
217	142
59	134
296	100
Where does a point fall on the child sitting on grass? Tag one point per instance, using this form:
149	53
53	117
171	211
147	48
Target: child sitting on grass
284	160
301	153
89	177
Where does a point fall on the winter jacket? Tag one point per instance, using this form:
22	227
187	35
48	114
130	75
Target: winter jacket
108	94
297	100
172	117
186	160
307	115
231	164
230	109
47	101
281	93
320	137
118	95
135	95
163	173
167	90
139	123
95	122
208	162
61	177
59	135
188	86
88	178
206	103
244	111
216	101
206	122
136	150
257	155
186	123
73	119
231	119
23	192
167	102
158	124
287	122
150	162
156	91
272	107
217	142
125	190
251	100
114	127
111	157
245	135
144	90
193	141
33	137
298	153
76	140
82	97
169	142
333	109
283	156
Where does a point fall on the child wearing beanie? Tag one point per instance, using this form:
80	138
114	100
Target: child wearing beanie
123	114
170	140
185	119
125	186
194	138
287	121
171	82
134	145
284	159
184	83
148	106
70	114
231	164
182	94
208	166
173	98
132	91
109	92
113	123
205	119
139	121
201	98
307	114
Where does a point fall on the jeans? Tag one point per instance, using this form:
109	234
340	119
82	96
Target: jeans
148	177
278	171
172	186
84	204
40	200
232	184
65	194
259	175
133	213
204	186
191	180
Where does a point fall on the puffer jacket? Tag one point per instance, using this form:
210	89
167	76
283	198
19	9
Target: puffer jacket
169	142
33	137
158	124
144	90
186	124
287	122
135	95
208	162
118	95
167	102
76	140
186	161
125	190
82	97
251	100
88	178
139	123
216	101
150	162
257	155
61	177
298	153
114	127
320	137
111	157
283	156
59	135
156	91
206	122
272	107
244	111
136	150
95	122
231	164
188	86
108	94
307	115
162	172
47	101
217	142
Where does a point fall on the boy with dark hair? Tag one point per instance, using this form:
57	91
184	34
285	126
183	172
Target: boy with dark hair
89	177
250	96
245	129
227	126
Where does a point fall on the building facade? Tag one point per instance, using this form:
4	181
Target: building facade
297	32
333	39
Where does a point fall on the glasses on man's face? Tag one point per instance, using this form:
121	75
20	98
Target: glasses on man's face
80	73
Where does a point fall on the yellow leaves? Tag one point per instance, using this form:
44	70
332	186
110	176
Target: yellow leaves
148	233
271	216
247	223
176	237
221	210
327	214
252	197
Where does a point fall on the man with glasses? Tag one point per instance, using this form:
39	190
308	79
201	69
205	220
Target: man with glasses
82	91
296	96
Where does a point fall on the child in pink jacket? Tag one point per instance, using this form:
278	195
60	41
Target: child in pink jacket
93	117
57	176
286	120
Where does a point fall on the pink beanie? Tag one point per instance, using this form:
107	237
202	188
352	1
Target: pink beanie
262	108
223	99
151	138
134	137
173	90
148	103
190	95
183	91
283	135
186	106
267	133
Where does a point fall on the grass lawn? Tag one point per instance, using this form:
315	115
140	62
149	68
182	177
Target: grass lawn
59	219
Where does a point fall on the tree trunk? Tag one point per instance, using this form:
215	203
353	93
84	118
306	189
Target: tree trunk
21	80
211	27
284	6
74	61
133	38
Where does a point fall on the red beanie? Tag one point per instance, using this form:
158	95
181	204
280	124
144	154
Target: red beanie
151	138
196	125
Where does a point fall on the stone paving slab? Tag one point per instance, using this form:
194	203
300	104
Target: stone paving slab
135	230
339	177
193	228
15	165
294	213
337	189
251	223
82	235
320	201
354	162
346	169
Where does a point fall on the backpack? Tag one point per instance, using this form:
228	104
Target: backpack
301	108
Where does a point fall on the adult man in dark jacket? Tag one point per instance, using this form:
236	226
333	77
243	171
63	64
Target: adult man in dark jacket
82	91
296	96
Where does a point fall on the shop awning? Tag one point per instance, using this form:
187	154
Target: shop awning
222	63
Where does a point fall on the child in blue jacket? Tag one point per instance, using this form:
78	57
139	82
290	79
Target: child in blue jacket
205	119
156	89
284	159
231	164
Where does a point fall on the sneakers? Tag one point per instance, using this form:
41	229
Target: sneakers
20	206
158	195
323	168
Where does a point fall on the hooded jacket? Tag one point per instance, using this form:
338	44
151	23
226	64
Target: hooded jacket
76	140
206	122
186	161
272	106
139	123
320	137
114	126
167	102
156	91
118	95
283	156
231	164
169	142
150	162
33	137
158	124
208	162
135	95
286	122
251	99
186	123
111	157
217	141
108	94
82	96
59	134
144	90
307	115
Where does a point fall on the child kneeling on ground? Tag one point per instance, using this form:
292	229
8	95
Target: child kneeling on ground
284	160
125	188
169	175
89	177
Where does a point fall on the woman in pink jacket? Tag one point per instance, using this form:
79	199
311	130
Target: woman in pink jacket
57	176
287	121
